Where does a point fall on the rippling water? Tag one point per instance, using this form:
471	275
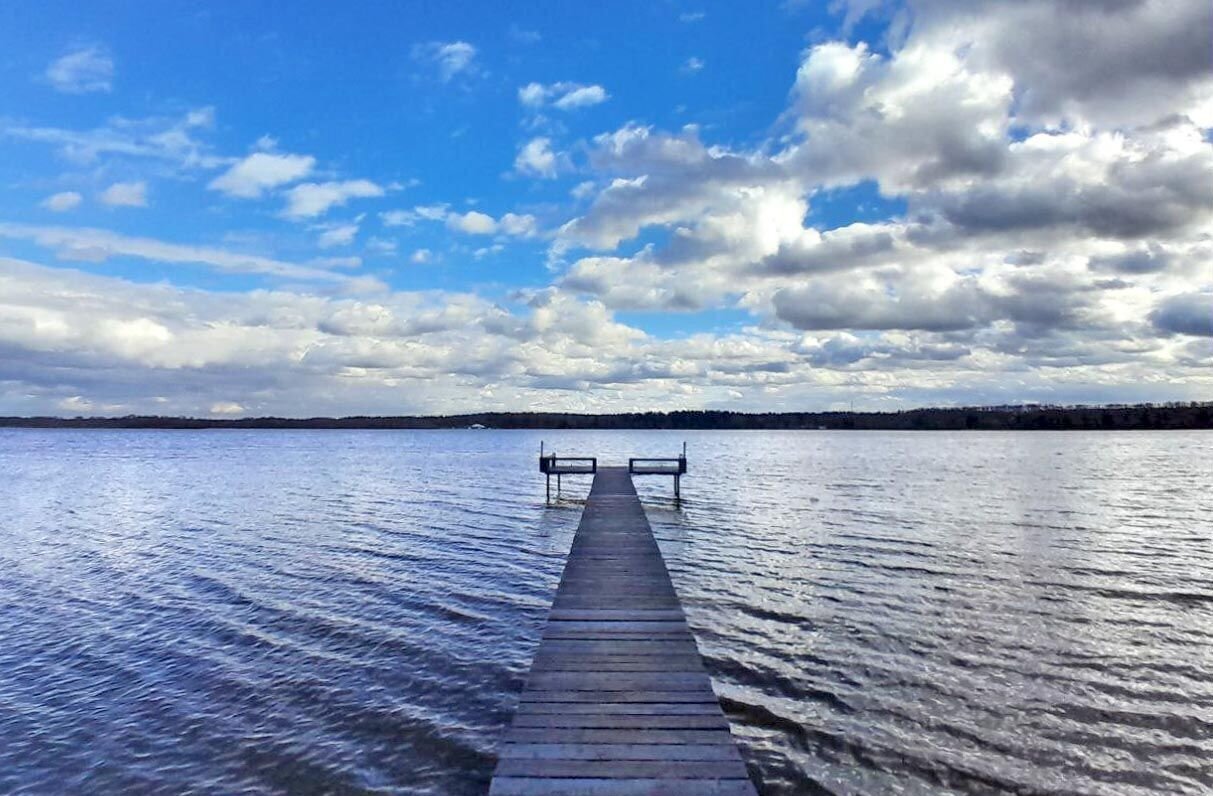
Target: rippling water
262	611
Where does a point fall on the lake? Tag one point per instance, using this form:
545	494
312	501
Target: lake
355	611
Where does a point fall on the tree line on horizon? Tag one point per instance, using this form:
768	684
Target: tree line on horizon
1173	415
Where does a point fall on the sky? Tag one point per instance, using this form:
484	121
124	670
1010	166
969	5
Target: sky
309	209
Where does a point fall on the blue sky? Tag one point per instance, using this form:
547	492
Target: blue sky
355	92
314	208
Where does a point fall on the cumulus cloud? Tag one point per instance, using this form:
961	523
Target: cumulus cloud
914	120
125	194
562	96
477	223
1103	63
252	176
63	201
276	351
1190	314
473	222
82	71
1036	226
311	199
450	59
1014	234
537	159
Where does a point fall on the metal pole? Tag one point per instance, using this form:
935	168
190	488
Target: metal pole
557	483
549	482
677	490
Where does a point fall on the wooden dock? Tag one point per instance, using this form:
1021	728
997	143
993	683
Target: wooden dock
617	701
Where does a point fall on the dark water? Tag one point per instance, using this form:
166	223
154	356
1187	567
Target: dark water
347	612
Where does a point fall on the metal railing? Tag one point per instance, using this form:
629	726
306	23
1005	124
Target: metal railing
556	465
675	465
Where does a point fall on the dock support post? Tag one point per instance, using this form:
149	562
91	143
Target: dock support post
549	484
557	484
677	487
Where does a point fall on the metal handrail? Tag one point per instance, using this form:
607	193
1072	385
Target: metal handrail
681	461
551	462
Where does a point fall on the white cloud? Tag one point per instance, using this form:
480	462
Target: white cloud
312	199
472	222
477	223
1054	245
82	71
435	212
172	140
518	225
226	408
381	245
398	218
563	96
337	235
1038	250
96	245
536	158
125	194
1140	59
532	95
421	256
451	58
523	35
581	97
408	218
348	261
692	65
254	175
63	201
75	403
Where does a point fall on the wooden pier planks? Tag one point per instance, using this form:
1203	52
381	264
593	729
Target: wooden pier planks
617	702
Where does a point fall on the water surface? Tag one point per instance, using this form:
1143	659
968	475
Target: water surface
353	612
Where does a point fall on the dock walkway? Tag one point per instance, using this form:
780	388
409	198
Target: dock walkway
617	701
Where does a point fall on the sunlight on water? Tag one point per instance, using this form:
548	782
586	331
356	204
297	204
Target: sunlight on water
264	611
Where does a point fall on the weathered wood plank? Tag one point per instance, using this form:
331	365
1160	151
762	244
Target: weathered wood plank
617	701
705	695
542	786
617	736
629	721
649	663
610	708
624	769
617	681
619	752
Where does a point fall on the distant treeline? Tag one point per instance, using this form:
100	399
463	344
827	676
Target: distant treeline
1009	418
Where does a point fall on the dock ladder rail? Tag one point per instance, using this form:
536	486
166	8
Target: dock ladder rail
552	465
675	466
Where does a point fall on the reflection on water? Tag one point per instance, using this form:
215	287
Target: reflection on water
354	611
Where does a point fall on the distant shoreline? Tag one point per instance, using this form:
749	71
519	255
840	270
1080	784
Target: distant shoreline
1191	415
